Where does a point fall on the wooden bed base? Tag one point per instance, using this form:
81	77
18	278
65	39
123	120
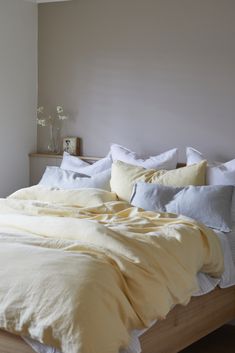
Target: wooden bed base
183	326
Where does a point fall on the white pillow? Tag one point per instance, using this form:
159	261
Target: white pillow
167	160
75	164
66	179
217	173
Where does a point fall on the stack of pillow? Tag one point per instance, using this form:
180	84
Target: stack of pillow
205	195
199	190
75	173
216	174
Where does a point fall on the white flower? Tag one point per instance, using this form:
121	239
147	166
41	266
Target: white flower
40	110
59	109
50	120
63	117
41	122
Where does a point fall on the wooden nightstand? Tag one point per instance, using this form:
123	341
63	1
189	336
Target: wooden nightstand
38	163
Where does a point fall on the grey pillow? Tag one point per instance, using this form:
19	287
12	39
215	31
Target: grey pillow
210	205
66	179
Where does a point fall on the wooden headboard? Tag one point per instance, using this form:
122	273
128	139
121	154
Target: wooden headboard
84	158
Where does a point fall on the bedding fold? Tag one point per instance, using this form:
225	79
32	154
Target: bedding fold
79	271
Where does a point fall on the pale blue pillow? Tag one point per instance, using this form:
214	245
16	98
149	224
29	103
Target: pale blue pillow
210	205
66	179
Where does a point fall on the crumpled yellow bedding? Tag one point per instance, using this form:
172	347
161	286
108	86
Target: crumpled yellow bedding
79	270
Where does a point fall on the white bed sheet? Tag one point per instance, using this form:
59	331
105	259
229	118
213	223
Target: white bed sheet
231	241
206	285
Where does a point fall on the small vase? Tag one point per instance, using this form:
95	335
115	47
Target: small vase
51	145
57	131
54	142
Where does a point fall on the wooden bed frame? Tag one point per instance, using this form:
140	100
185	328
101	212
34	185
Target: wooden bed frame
183	326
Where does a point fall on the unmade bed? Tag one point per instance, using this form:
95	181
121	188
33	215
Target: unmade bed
87	272
44	210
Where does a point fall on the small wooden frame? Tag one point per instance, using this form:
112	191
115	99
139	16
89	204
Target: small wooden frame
71	145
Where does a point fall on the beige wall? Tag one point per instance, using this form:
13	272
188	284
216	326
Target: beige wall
18	92
149	74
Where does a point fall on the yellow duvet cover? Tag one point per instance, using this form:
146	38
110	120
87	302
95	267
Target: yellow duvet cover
79	270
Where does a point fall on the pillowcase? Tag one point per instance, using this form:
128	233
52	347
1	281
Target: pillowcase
66	179
152	197
166	160
75	164
69	162
209	205
124	176
217	173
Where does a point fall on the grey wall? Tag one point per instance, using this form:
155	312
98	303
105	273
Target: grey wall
149	74
18	92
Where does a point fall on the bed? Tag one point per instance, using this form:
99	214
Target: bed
183	325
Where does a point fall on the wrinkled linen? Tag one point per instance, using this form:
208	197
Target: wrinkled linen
80	278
